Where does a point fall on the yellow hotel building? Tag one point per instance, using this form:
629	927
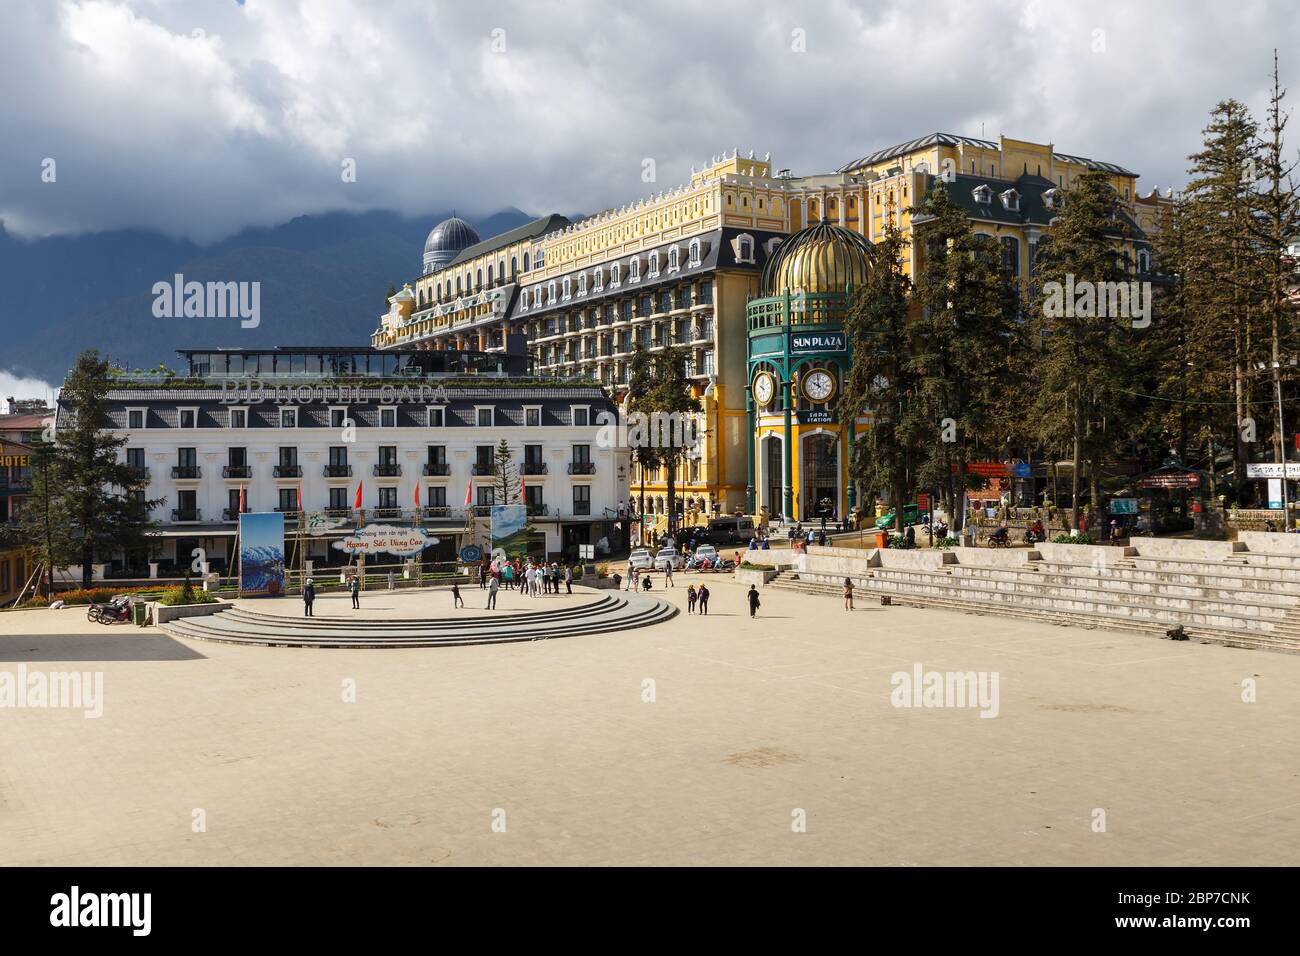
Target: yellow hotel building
683	266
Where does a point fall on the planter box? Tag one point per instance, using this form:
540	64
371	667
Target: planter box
748	576
605	584
162	613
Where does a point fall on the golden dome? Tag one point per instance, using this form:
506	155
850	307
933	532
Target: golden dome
820	259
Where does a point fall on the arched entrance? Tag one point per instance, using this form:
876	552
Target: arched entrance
819	476
773	470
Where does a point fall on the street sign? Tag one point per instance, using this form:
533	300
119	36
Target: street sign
1178	480
1275	492
1272	469
1123	506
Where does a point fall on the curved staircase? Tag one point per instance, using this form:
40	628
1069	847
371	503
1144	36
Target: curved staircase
242	626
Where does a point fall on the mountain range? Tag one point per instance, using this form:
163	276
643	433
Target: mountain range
323	280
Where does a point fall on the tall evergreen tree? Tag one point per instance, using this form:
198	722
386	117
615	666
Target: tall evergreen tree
641	386
670	395
95	494
880	381
1087	365
962	342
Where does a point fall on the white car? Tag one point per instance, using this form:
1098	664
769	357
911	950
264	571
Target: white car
640	558
668	556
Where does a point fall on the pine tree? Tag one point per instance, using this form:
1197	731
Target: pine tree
505	475
94	492
962	344
880	380
42	525
640	392
1087	366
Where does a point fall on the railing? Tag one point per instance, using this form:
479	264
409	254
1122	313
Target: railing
436	511
538	510
338	471
389	514
437	468
533	468
582	467
230	514
386	471
482	511
481	469
287	509
338	512
141	472
286	471
187	514
237	471
186	471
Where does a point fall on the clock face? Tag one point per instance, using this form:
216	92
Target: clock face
818	385
764	388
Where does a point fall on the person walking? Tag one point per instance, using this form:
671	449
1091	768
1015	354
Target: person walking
508	573
482	575
456	599
753	600
568	579
668	574
848	594
909	536
704	599
493	584
392	581
691	598
308	598
354	588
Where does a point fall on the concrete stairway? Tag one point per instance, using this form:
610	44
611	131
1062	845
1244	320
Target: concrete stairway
608	613
1247	601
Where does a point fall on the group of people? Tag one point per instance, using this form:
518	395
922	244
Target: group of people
354	588
531	578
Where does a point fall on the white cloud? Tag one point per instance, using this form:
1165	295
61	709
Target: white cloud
19	386
199	118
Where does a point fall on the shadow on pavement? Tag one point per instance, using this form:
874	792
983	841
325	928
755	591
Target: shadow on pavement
95	647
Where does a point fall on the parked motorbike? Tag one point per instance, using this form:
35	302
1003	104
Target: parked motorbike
1001	538
115	611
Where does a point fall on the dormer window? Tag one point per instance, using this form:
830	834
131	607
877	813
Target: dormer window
654	264
1049	198
598	279
550	292
694	252
1144	261
614	272
1010	200
983	195
743	247
634	269
523	301
674	259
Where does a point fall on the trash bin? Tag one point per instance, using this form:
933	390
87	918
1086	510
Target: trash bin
882	539
139	612
618	580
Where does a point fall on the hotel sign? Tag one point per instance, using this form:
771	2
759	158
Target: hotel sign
1270	469
817	342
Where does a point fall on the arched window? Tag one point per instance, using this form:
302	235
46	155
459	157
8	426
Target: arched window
566	294
478	279
525	261
489	274
550	292
674	259
615	272
695	252
582	283
458	285
634	269
501	270
514	266
1011	254
654	264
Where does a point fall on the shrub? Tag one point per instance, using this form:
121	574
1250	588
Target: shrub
1074	539
948	542
100	595
897	541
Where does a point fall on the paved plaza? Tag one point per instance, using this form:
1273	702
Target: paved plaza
697	741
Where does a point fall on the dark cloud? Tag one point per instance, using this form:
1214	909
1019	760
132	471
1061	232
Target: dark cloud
200	118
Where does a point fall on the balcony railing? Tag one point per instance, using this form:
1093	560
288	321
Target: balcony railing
230	514
338	471
533	468
187	514
437	468
237	471
287	509
482	511
537	510
582	467
437	511
140	472
386	471
480	468
286	471
338	512
386	514
186	471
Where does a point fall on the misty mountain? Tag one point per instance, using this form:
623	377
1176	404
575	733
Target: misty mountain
323	280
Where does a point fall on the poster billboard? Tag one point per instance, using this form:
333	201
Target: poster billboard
386	539
510	529
261	553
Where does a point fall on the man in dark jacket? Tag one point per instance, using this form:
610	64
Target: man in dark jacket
753	600
308	598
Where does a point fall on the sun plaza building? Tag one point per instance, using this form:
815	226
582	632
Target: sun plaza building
689	267
309	430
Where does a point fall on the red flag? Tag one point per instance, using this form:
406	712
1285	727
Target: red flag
469	491
357	503
300	496
417	494
243	500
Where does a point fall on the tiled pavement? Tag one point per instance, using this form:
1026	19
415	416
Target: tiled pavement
750	722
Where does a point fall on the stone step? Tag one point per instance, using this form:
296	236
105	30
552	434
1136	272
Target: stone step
242	626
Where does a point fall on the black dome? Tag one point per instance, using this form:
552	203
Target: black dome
451	235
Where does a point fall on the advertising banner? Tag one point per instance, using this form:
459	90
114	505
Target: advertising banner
510	529
261	553
386	539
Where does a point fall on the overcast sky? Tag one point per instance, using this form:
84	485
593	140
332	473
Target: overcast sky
200	117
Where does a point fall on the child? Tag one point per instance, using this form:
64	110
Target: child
456	599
